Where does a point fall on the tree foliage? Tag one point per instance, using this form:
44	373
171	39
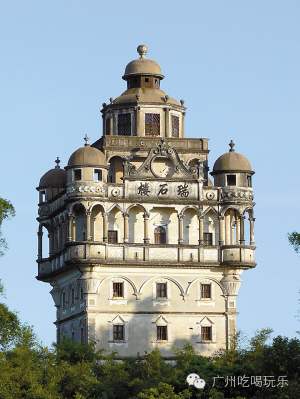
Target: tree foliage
6	212
294	240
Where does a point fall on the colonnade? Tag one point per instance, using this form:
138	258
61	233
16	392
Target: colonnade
231	228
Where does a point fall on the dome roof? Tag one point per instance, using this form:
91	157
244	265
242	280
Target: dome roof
142	66
87	156
56	177
231	161
144	94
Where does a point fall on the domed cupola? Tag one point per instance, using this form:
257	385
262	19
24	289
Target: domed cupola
52	182
86	164
143	72
143	109
232	169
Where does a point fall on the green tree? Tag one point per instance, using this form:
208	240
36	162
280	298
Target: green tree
6	212
294	240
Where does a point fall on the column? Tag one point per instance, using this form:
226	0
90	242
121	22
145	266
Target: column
167	123
126	227
201	240
227	228
181	134
70	219
88	225
51	242
40	242
180	228
238	231
221	230
242	230
105	227
146	229
73	227
252	231
232	228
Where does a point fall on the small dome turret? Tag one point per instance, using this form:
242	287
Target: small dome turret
87	156
56	177
142	66
231	161
232	169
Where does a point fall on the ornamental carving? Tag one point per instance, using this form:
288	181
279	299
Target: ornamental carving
87	190
44	210
236	194
162	162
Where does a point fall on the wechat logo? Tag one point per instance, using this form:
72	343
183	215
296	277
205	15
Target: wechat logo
194	379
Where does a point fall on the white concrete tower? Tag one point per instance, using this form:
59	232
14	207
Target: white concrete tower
143	250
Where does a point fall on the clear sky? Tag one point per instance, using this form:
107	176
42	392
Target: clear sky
235	63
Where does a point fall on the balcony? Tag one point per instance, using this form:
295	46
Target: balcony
150	255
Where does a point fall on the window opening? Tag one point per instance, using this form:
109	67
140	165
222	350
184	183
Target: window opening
118	290
97	174
146	79
207	238
205	291
175	125
112	236
64	300
124	125
206	333
42	196
160	235
162	333
231	180
72	296
77	174
118	333
152	124
249	182
161	290
107	126
82	340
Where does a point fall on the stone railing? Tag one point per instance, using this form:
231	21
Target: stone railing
191	255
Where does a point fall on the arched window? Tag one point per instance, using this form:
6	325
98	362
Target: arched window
160	235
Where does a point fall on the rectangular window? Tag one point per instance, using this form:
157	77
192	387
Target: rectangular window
152	125
231	180
107	126
118	333
205	291
77	174
206	334
175	125
249	182
82	339
64	300
207	238
124	125
161	290
97	174
112	236
42	196
118	290
162	333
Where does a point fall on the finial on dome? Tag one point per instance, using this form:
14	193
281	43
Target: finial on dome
57	161
231	145
142	50
86	139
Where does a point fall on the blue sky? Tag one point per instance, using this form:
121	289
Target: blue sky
236	65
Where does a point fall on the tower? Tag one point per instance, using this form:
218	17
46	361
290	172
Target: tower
144	251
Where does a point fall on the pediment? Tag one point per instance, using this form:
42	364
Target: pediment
162	162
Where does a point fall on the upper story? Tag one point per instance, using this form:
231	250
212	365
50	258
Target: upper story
142	185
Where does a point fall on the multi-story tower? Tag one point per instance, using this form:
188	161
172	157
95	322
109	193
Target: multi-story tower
144	250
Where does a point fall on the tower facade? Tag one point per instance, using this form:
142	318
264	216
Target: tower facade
144	250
